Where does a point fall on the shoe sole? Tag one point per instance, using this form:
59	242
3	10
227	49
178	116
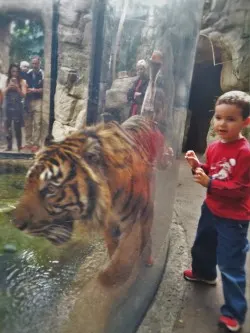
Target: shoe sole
210	283
229	328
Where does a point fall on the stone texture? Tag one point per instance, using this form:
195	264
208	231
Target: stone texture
116	96
68	16
60	131
69	35
81	119
226	28
73	66
4	46
227	25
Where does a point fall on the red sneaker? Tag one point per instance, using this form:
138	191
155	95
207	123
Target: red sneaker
188	275
231	324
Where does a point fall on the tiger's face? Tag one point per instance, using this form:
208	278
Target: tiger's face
59	189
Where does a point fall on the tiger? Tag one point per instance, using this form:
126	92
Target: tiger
102	176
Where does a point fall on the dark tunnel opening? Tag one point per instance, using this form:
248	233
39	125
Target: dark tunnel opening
204	91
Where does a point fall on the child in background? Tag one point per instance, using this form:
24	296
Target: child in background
221	237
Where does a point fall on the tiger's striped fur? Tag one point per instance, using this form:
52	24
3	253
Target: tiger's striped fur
101	175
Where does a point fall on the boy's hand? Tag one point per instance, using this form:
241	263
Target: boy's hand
201	178
192	159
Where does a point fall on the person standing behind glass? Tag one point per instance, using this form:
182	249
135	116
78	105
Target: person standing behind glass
137	92
24	67
13	94
33	119
3	80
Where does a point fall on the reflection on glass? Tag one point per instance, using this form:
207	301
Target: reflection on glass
117	177
137	92
21	86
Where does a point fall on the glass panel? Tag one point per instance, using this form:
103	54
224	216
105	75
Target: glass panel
103	194
148	59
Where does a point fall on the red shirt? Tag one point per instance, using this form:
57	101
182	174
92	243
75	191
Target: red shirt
228	165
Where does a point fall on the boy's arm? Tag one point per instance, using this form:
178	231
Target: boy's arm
205	167
195	163
239	186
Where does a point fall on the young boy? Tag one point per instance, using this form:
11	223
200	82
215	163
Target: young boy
221	237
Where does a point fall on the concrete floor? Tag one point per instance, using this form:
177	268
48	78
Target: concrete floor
181	306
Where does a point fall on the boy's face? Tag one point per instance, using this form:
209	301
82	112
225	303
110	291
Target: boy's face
228	122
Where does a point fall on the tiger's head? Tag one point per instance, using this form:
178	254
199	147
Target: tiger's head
62	186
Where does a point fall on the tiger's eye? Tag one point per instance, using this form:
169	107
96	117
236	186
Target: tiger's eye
51	188
90	157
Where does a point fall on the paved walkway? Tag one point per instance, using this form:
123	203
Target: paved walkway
181	306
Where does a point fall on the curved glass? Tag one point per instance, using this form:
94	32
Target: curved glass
99	197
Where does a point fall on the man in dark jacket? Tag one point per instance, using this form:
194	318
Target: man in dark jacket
33	119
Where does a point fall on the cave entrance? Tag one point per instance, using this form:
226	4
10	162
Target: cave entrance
205	89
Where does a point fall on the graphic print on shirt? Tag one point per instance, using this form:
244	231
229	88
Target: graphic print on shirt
223	169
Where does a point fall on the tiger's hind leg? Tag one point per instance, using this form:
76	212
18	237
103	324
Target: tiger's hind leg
125	256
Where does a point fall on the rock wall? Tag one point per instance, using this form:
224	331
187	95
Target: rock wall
4	45
227	25
74	37
116	96
225	40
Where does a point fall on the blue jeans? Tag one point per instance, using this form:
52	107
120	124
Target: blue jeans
224	242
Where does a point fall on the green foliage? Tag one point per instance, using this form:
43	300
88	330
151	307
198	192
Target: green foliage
27	40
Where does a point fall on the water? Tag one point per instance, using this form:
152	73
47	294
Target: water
35	277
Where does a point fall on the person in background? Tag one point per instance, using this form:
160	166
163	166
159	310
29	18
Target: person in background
33	119
221	237
137	92
3	80
13	94
24	66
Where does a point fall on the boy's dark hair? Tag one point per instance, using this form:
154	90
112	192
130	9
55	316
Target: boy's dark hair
238	98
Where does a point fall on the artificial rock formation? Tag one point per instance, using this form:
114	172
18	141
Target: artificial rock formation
222	64
74	34
227	25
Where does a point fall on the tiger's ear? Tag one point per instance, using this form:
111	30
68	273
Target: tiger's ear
49	140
